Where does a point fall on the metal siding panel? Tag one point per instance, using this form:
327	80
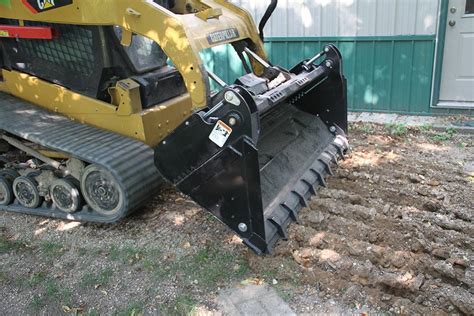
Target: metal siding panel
220	61
385	17
421	76
295	53
383	69
330	19
279	19
427	17
232	68
401	79
363	85
279	53
349	21
366	17
299	18
311	48
315	27
348	51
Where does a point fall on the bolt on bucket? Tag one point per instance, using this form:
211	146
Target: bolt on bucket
255	156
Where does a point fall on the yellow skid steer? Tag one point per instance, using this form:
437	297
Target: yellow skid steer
103	100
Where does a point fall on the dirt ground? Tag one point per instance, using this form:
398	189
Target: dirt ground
393	233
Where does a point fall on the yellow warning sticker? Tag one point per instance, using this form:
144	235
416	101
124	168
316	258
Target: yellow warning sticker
4	33
220	134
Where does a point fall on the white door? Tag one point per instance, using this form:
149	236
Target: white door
457	77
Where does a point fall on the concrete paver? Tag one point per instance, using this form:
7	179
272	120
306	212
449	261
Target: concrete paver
253	300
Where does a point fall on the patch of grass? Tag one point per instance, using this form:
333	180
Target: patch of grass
210	266
51	289
82	252
396	129
153	264
211	218
51	293
149	265
133	309
448	134
129	255
7	245
365	128
91	312
37	303
114	253
184	304
37	278
52	249
94	279
426	128
3	276
285	294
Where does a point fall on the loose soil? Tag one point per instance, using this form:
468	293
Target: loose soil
392	233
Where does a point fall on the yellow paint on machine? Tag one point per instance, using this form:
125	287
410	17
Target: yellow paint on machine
149	126
181	35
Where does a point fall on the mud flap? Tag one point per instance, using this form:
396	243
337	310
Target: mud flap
255	161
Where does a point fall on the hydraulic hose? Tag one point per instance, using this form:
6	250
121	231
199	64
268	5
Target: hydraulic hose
271	8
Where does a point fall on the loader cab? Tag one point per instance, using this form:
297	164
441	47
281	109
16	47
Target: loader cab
90	59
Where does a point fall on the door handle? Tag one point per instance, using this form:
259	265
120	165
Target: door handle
452	23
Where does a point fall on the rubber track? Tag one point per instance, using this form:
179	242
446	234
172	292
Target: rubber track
130	161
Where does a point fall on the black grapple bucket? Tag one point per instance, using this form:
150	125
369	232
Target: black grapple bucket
256	156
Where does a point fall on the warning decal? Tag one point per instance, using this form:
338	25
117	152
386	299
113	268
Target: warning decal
220	134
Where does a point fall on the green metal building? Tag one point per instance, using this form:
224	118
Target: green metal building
401	56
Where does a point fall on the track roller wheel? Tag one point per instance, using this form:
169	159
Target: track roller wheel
26	192
6	191
65	195
102	191
10	174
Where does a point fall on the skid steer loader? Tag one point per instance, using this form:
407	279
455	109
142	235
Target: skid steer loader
103	100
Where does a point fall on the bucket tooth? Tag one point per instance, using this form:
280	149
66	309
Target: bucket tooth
340	150
319	175
279	226
300	198
334	158
327	166
312	190
293	214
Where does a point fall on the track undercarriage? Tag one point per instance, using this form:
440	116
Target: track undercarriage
95	176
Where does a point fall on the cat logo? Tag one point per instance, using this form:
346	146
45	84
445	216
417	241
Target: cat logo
45	4
38	6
